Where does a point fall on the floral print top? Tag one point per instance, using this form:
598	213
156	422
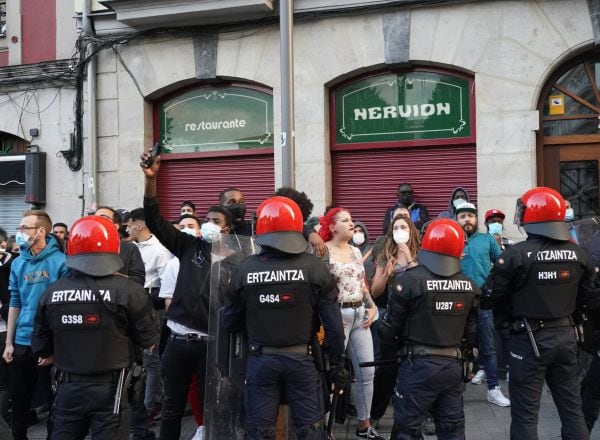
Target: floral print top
350	277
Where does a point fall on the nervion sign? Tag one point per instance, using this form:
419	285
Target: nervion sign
216	119
403	107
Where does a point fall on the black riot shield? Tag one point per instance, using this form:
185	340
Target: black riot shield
586	233
226	357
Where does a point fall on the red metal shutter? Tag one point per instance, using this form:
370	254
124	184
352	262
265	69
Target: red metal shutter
365	181
202	179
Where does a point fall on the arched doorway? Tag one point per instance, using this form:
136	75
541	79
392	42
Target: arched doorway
568	153
215	136
414	125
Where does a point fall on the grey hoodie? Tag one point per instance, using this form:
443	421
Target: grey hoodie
364	248
451	212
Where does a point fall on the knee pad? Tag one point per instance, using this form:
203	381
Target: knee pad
311	432
260	432
450	427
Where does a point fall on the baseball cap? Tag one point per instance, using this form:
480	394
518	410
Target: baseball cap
494	213
466	207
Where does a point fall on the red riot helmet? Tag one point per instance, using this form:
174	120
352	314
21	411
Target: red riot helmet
541	211
279	225
442	247
93	247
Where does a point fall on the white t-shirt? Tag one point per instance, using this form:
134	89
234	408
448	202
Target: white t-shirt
155	257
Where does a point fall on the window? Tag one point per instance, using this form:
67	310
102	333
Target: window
572	103
2	18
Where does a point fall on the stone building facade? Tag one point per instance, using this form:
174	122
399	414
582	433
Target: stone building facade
508	50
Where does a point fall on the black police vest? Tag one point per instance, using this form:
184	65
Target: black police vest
551	283
439	319
89	328
279	304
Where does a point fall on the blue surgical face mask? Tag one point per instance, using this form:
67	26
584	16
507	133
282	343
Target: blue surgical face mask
495	228
210	232
22	239
569	215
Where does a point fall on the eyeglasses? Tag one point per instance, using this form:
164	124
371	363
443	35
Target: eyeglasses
26	228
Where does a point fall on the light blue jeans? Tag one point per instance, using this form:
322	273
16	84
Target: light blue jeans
359	347
487	347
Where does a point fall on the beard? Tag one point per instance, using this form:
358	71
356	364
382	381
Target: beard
469	229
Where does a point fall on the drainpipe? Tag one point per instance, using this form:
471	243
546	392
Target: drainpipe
286	50
91	155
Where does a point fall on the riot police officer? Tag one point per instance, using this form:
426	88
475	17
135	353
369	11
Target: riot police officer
538	284
275	297
431	308
88	322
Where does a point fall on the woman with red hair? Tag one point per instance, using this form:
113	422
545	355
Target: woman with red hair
357	308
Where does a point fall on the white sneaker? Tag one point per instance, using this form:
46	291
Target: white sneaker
199	435
479	377
495	396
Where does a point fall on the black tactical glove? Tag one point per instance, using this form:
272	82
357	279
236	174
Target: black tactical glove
339	376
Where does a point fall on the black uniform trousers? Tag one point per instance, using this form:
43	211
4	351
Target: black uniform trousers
274	378
590	393
558	366
180	361
80	407
429	384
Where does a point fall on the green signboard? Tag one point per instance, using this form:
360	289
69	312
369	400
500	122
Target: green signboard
216	119
402	107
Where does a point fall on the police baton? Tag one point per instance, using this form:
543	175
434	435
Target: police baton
119	392
334	402
536	352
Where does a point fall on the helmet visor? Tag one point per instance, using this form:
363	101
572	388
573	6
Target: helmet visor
519	211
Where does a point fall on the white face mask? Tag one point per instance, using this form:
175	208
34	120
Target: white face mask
189	231
358	238
458	202
401	236
210	232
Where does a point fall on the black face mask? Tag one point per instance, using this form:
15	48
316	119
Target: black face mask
406	199
123	231
238	212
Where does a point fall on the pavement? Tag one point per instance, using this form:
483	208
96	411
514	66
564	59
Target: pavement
483	420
